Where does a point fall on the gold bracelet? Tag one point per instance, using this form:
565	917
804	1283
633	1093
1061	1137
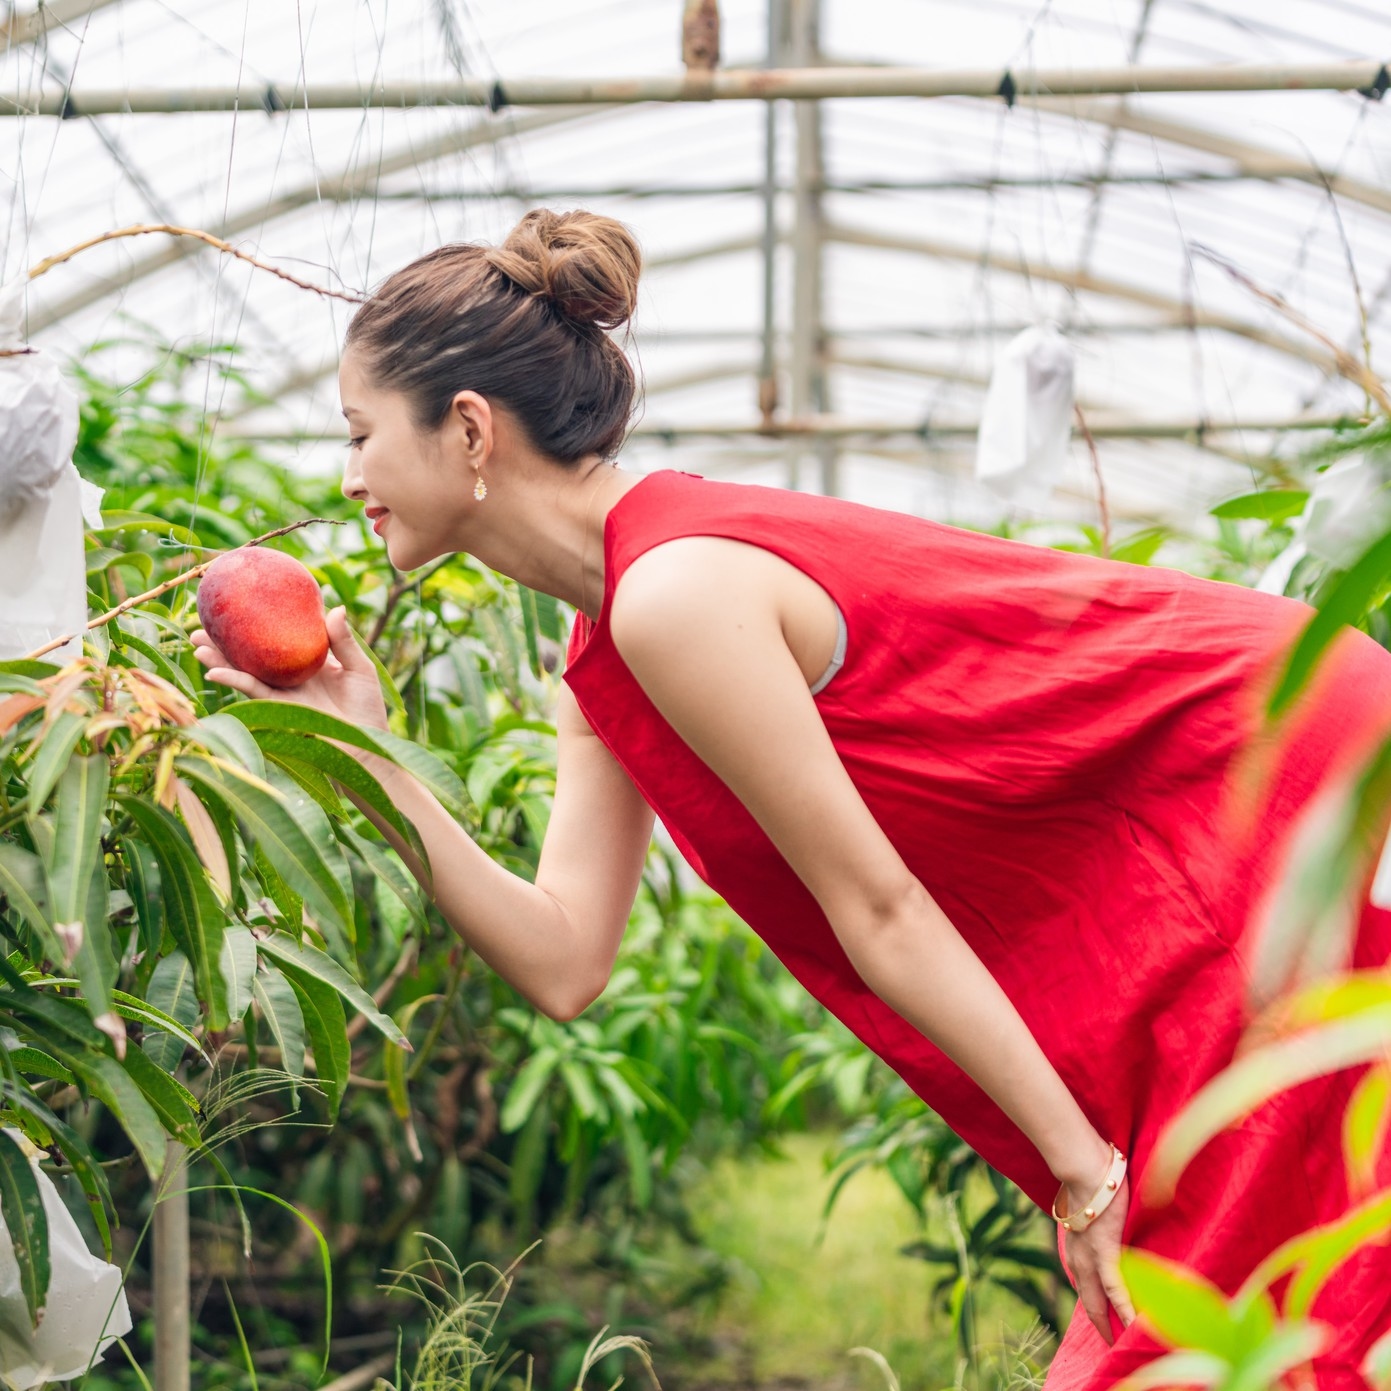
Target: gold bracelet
1100	1200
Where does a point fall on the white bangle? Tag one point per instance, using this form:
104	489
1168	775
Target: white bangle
1100	1200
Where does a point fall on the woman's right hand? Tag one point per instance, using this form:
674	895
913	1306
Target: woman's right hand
346	686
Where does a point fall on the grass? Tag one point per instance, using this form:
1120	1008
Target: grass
804	1295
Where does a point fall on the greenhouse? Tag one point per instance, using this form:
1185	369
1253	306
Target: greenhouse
958	728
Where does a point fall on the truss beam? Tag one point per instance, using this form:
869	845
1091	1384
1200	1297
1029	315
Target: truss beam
1195	432
31	26
759	84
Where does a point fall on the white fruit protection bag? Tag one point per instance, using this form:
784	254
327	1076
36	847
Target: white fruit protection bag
43	501
1026	421
86	1308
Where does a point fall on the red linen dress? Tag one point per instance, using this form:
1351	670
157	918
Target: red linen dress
1048	741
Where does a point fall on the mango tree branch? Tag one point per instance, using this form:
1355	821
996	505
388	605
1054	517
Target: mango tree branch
193	574
1359	373
144	228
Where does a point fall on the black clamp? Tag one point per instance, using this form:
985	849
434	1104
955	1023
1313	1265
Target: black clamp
271	100
1381	84
1007	88
68	110
497	98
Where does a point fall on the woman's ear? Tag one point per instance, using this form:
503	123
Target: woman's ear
472	418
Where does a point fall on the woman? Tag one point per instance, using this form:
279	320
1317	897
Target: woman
974	793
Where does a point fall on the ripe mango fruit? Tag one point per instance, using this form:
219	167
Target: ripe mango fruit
263	610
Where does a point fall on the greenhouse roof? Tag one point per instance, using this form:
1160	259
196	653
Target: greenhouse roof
910	236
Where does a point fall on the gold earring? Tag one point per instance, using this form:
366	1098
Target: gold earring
480	489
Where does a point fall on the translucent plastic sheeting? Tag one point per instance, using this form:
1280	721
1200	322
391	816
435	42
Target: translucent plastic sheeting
947	226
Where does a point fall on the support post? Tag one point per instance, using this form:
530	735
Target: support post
768	365
171	1283
808	385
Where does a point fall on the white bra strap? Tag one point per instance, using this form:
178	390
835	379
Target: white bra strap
838	660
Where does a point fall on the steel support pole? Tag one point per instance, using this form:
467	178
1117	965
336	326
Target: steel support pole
808	374
173	1346
768	365
1369	75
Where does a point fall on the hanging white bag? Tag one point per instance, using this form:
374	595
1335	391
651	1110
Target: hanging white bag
86	1308
1349	507
43	577
1026	421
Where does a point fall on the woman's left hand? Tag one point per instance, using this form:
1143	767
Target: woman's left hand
1093	1256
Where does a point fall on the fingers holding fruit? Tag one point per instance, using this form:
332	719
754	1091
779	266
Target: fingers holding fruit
262	612
265	634
223	673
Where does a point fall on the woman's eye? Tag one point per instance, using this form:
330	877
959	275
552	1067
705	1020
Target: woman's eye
356	441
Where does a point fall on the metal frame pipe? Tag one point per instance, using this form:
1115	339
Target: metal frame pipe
1368	75
835	428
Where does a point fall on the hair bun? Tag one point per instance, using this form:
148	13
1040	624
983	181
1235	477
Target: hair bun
586	264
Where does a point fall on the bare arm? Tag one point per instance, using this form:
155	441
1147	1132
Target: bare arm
554	940
702	624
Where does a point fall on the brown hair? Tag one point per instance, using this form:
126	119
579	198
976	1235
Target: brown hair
523	324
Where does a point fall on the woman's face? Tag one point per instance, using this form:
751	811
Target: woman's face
413	497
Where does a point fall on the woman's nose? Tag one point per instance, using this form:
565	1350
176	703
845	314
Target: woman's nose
352	480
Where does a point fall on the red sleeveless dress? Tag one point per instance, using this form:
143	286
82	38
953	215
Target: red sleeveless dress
1047	739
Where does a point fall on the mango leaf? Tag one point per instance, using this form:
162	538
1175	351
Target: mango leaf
173	991
158	663
290	748
279	1007
1268	505
173	1103
527	1087
138	1011
1253	1079
1288	1347
387	869
119	520
281	837
38	1064
142	883
114	1087
639	1158
1345	602
53	755
102	558
191	908
203	832
289	904
230	739
394	1060
312	782
324	1021
1315	1255
299	960
1184	1310
1376	1366
66	1017
24	887
530	628
1200	1369
21	1204
1365	1125
427	769
75	1150
77	879
528	1159
238	967
1140	547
